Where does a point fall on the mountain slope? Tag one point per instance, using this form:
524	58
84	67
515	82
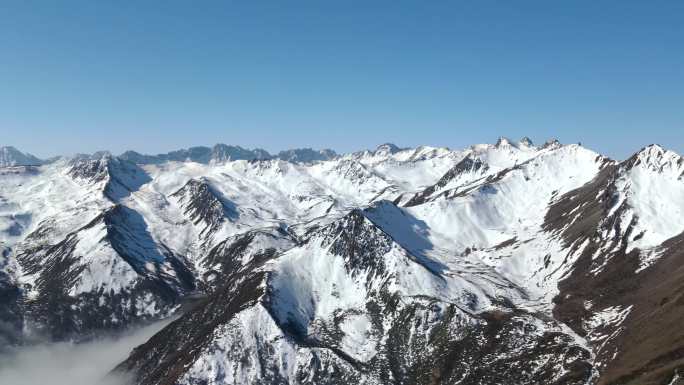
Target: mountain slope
620	294
352	305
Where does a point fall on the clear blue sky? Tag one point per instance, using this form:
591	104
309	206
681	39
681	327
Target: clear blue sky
80	76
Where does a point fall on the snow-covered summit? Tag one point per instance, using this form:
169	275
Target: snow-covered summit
10	156
657	159
525	141
645	191
387	149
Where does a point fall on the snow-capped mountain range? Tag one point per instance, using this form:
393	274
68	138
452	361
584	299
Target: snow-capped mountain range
505	263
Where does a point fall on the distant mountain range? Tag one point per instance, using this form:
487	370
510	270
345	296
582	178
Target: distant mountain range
505	263
10	156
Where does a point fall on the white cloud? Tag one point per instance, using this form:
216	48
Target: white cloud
68	364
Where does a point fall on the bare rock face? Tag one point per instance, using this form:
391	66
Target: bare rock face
204	205
466	169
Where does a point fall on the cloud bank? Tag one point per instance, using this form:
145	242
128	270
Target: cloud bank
68	364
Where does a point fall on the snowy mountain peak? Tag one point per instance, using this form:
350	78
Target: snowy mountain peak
92	169
552	144
203	204
358	241
503	142
467	170
525	142
116	177
656	158
387	149
223	152
10	156
104	154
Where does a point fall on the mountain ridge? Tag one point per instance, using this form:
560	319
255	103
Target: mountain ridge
395	265
222	152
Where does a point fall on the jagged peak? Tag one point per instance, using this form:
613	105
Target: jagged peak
391	152
223	152
10	156
102	155
202	203
306	155
467	164
192	184
652	151
90	168
428	152
201	154
502	142
101	162
552	143
656	158
525	141
524	144
353	235
120	176
90	157
10	150
387	149
360	222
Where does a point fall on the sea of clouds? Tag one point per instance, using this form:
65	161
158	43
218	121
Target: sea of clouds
68	364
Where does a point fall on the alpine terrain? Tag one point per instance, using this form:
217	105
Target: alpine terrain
505	263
